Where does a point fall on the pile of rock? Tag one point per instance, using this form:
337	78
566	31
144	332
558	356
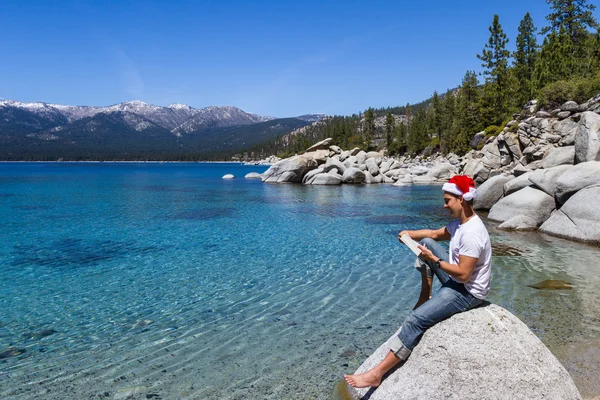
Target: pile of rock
326	164
267	161
541	171
544	174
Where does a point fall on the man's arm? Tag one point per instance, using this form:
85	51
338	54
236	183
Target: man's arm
435	234
461	272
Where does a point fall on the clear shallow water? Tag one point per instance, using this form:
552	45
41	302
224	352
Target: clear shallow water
165	279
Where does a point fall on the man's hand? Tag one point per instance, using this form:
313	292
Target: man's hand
402	233
426	254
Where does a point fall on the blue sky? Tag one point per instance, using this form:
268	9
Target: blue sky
278	58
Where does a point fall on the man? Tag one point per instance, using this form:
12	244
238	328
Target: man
464	273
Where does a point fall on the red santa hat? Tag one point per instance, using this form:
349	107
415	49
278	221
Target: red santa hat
461	185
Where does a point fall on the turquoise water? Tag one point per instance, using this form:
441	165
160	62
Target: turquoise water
166	280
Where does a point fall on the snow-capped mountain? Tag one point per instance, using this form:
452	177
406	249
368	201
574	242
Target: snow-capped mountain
131	129
218	117
180	118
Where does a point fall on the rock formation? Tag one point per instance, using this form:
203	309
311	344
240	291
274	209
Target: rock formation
526	174
484	353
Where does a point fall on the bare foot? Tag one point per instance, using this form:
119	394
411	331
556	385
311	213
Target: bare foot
369	378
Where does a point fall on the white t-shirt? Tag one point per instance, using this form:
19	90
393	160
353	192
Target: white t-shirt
472	239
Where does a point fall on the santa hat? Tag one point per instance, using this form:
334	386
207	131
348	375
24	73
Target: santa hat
461	185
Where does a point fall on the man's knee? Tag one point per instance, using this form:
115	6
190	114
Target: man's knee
427	242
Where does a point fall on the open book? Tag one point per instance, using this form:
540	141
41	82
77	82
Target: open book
411	244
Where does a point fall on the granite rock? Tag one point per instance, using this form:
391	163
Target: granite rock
490	191
517	183
290	169
559	156
545	179
527	201
587	140
484	353
576	178
578	218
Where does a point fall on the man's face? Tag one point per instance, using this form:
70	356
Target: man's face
453	204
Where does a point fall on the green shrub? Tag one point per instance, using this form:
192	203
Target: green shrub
434	143
492	130
557	93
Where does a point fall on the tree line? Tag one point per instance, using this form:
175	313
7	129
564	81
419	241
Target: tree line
564	66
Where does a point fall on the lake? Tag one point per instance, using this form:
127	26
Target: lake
164	280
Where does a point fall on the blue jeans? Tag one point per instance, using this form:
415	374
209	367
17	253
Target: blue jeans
452	298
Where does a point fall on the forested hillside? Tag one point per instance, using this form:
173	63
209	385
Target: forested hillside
558	62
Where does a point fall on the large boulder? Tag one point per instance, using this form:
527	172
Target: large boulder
578	218
567	129
490	191
372	166
576	178
334	163
545	179
361	157
484	353
587	140
528	201
289	170
322	145
517	183
326	179
443	171
385	165
476	169
320	156
353	175
559	156
419	170
491	155
310	174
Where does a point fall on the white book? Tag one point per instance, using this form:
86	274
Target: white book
411	244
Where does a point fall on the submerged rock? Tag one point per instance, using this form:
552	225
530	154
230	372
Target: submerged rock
552	284
485	353
11	352
228	176
38	335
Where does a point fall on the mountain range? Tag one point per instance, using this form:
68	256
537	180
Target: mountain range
134	130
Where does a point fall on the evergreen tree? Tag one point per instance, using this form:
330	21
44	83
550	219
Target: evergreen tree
389	129
555	60
575	16
494	59
467	114
436	118
369	127
524	60
448	120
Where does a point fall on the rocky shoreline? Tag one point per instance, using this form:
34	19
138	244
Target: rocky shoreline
540	172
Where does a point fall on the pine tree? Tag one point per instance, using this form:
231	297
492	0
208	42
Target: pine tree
436	118
524	60
575	16
369	127
448	120
389	129
494	59
467	113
